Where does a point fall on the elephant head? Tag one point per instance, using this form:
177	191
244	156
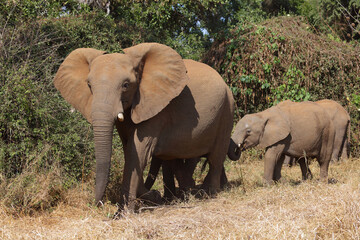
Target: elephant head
139	83
258	129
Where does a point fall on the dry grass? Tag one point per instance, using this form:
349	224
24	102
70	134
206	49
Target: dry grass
289	210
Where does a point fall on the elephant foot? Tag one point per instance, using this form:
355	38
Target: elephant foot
268	183
184	194
201	194
152	197
124	208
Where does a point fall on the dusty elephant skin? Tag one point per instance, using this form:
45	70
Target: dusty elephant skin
341	121
286	129
162	106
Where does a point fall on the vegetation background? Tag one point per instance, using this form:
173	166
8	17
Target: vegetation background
266	50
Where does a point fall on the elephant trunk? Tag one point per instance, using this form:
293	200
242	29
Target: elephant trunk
103	125
234	152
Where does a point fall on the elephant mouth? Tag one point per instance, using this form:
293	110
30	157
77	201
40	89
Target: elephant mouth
240	147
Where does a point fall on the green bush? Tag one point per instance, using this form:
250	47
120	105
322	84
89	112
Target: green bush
335	18
36	124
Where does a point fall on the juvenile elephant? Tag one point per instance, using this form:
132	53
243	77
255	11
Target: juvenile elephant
162	106
286	129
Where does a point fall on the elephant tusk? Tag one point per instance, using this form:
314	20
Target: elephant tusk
239	145
120	117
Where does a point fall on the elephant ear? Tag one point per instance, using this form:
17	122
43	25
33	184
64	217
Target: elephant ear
71	79
162	76
277	127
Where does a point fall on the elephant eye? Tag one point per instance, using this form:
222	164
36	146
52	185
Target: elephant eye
89	86
126	85
248	131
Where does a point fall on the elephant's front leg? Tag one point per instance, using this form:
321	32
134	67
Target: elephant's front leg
277	170
136	156
272	166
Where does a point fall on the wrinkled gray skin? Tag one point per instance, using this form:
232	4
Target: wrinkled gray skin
162	106
286	130
341	121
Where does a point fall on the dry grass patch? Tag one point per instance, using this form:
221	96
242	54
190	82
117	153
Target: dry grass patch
289	210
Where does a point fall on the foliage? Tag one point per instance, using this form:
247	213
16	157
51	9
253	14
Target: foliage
336	18
17	11
290	89
276	7
188	26
37	126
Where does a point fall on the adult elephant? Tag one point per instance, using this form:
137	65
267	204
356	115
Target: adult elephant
162	106
286	129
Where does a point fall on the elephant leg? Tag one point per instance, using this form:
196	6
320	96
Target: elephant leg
338	141
272	156
224	180
153	172
324	168
325	155
344	151
212	181
136	156
184	171
277	169
324	161
305	170
289	161
168	179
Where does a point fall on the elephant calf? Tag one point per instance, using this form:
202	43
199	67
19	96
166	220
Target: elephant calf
286	129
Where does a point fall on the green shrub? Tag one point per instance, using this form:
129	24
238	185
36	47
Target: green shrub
335	18
36	124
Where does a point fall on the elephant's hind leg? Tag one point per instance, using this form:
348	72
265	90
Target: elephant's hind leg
216	158
344	151
326	151
338	141
168	180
